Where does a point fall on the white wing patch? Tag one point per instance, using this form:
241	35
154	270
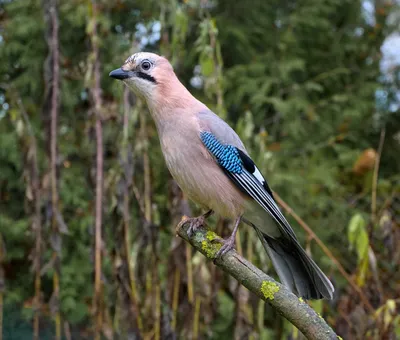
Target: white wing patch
257	174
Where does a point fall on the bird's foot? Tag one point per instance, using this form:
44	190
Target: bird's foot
194	223
227	245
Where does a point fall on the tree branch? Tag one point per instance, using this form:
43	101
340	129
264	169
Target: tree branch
294	309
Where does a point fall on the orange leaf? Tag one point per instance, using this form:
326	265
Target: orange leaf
365	162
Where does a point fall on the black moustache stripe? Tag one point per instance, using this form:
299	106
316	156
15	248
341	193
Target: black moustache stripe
146	77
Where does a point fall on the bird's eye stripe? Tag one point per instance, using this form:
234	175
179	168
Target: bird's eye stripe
146	76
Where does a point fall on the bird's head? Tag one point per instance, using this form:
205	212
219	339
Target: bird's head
145	73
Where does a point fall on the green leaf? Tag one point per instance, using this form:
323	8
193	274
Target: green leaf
358	239
207	65
357	222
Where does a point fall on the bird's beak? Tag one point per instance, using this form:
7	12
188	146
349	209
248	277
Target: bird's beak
120	74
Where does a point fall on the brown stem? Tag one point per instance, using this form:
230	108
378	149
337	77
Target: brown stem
146	168
53	159
249	256
1	315
132	289
196	318
157	324
97	100
175	298
375	175
189	269
127	108
98	222
325	249
260	316
2	284
38	249
51	104
218	62
37	218
67	331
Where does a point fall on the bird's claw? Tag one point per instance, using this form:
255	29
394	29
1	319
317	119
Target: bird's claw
227	245
194	224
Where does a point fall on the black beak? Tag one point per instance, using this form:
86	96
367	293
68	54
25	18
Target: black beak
120	74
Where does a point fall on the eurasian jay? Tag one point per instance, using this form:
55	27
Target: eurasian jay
211	165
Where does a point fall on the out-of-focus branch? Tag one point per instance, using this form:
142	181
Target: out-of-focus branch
325	249
146	167
295	310
2	283
33	181
53	161
132	324
51	109
375	176
97	103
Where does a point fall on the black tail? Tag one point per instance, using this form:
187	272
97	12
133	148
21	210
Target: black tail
296	269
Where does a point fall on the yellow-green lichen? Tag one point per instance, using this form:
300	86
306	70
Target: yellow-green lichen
339	337
301	299
211	236
320	316
210	248
268	289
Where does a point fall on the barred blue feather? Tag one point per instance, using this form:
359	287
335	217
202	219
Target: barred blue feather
227	155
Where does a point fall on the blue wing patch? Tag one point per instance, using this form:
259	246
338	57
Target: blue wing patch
227	155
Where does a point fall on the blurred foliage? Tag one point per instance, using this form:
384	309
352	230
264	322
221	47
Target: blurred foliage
301	83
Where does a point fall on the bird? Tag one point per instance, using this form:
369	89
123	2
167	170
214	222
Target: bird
212	167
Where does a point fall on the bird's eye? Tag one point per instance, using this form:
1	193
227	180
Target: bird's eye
146	65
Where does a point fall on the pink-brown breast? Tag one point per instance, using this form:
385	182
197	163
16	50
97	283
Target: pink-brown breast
196	172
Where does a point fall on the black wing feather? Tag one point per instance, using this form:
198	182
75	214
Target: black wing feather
250	166
260	192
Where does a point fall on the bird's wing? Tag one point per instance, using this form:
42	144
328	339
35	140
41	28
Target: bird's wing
295	268
240	168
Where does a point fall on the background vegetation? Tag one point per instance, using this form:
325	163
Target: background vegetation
88	209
